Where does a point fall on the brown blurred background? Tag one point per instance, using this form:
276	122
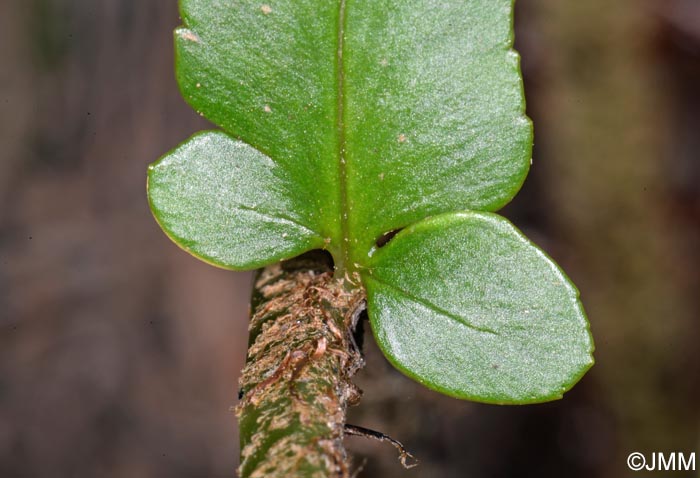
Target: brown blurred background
119	353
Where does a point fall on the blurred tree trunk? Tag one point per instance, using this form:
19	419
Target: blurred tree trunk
605	111
119	354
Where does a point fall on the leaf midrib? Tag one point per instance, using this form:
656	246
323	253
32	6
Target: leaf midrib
342	262
429	305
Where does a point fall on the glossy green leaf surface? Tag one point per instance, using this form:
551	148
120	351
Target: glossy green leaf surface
466	305
229	204
343	120
434	112
267	74
378	113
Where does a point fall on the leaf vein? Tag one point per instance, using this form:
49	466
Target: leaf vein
344	259
433	307
277	217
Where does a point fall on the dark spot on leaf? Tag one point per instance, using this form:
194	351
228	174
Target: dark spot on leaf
386	237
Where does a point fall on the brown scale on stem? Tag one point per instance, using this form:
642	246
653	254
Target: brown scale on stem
296	385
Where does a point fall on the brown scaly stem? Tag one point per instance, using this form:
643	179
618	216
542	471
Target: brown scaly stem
295	387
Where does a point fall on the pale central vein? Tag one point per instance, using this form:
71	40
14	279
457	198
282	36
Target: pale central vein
342	261
439	310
